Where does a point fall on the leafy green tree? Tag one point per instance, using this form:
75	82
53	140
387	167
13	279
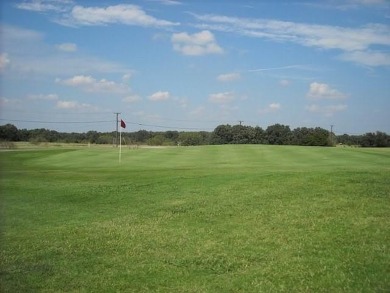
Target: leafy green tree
92	136
259	135
9	132
243	134
190	138
172	136
157	140
378	139
142	136
278	134
222	134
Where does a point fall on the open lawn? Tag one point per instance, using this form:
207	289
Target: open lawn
231	218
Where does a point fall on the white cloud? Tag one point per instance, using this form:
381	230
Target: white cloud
127	14
90	84
221	98
197	44
369	2
355	4
49	97
369	58
170	2
328	110
45	5
9	102
11	34
43	59
324	91
74	105
273	107
310	35
284	82
67	47
131	99
4	61
278	68
228	77
159	96
127	76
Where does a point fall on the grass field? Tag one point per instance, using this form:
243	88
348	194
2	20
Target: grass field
233	218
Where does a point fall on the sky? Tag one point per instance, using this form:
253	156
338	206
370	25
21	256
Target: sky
187	65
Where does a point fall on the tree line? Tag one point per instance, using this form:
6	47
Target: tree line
276	134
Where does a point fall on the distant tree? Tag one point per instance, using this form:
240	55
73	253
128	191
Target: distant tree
320	137
24	134
278	134
222	134
92	136
259	135
382	139
157	140
9	132
368	140
300	136
349	139
206	137
190	138
378	139
243	134
142	136
105	138
310	136
172	136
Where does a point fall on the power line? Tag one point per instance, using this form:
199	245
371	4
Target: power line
58	122
162	126
101	121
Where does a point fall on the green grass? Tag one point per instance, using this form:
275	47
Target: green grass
196	219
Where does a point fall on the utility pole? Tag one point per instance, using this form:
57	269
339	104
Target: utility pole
240	122
117	121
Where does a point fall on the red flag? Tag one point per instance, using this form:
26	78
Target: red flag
123	124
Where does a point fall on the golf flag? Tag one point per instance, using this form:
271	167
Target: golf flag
123	124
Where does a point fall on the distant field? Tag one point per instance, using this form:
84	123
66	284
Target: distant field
231	218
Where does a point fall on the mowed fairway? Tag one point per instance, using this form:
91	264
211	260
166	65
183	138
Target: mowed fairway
229	218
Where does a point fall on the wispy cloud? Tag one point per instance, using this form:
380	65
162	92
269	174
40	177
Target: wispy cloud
273	107
221	98
228	77
75	105
275	68
66	12
67	47
48	97
43	58
284	82
327	110
346	39
126	14
45	5
90	84
4	61
168	2
369	58
131	99
160	96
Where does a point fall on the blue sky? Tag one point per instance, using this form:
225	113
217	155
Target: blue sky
193	65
